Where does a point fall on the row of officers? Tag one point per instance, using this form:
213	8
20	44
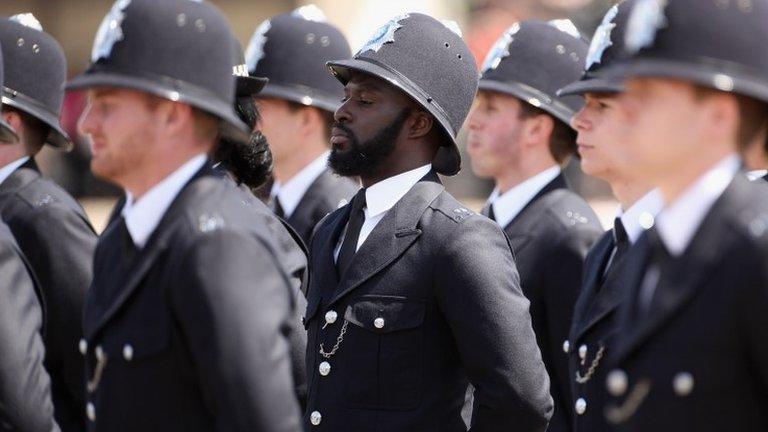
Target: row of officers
390	307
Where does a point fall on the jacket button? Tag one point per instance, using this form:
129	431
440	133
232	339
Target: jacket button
683	383
325	368
617	382
567	347
90	411
378	323
581	406
99	353
83	346
330	317
128	352
583	352
315	418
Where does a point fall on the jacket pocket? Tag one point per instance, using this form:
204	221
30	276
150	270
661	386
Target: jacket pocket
386	343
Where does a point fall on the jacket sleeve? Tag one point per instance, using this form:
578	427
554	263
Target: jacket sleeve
233	308
478	289
25	392
60	245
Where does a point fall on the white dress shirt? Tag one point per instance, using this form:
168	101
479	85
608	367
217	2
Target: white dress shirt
679	220
636	218
143	216
381	197
508	205
291	193
7	170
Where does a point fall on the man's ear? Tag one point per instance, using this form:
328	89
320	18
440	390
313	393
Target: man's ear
13	119
538	129
420	124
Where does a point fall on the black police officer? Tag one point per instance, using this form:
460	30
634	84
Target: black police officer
297	108
519	135
186	320
49	225
691	353
25	387
412	295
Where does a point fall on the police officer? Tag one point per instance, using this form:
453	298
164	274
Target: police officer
691	352
25	387
297	108
519	136
185	323
412	295
249	164
50	226
601	136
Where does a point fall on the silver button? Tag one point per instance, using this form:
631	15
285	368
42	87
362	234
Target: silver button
683	383
90	411
128	352
567	347
315	418
646	220
583	352
378	323
617	382
99	353
581	406
330	317
325	368
83	346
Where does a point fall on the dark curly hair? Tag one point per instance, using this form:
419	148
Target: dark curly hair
250	163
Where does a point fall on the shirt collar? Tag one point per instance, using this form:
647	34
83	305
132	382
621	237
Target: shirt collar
756	174
679	220
143	216
508	205
383	195
639	213
7	170
291	193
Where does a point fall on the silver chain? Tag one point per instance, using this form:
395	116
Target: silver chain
338	342
592	367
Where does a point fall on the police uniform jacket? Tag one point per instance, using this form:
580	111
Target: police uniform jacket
550	238
431	300
25	387
696	358
594	325
325	195
55	235
191	333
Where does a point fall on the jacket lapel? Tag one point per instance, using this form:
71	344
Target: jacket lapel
156	244
21	176
519	228
391	237
682	281
590	299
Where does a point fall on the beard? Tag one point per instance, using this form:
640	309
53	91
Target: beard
367	157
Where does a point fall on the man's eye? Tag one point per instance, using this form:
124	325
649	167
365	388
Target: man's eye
365	102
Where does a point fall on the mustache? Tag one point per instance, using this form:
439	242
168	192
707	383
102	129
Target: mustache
347	131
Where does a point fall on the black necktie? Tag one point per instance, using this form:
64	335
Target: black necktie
277	207
489	212
620	244
349	246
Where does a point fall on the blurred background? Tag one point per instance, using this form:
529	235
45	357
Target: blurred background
74	24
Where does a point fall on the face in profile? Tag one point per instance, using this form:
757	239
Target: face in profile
602	128
121	128
367	126
495	126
